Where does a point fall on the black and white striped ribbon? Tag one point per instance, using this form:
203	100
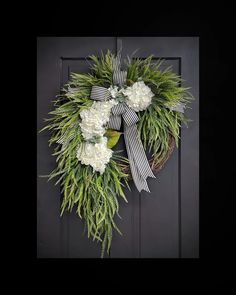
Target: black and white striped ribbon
139	165
119	76
100	93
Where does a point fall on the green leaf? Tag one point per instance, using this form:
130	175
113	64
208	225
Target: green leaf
113	137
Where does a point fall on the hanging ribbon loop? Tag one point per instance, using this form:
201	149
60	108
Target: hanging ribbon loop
119	77
100	93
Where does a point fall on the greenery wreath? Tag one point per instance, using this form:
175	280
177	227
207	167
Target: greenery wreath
85	127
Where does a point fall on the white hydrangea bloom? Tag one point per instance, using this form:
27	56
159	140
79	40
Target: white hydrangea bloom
94	119
96	155
113	90
139	96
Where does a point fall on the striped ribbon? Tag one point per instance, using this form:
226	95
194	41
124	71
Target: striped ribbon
119	76
100	93
139	165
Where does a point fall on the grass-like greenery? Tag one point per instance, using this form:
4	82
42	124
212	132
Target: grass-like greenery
157	122
95	196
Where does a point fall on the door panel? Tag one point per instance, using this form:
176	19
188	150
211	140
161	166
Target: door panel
59	237
152	232
183	199
159	231
160	224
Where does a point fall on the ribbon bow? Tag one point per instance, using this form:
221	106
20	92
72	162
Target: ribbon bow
139	165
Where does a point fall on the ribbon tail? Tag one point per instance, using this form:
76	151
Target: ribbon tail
114	122
139	165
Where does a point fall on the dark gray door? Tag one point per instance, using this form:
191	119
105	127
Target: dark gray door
163	224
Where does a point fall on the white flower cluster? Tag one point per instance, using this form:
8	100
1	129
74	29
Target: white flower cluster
114	91
96	155
92	125
139	96
94	119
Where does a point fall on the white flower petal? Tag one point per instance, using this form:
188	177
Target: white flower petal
139	96
96	155
94	119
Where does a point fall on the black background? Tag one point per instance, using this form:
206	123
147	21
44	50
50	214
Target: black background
213	23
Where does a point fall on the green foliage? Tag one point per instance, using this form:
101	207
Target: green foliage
157	122
102	68
95	196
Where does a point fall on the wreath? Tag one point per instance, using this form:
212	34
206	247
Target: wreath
85	126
